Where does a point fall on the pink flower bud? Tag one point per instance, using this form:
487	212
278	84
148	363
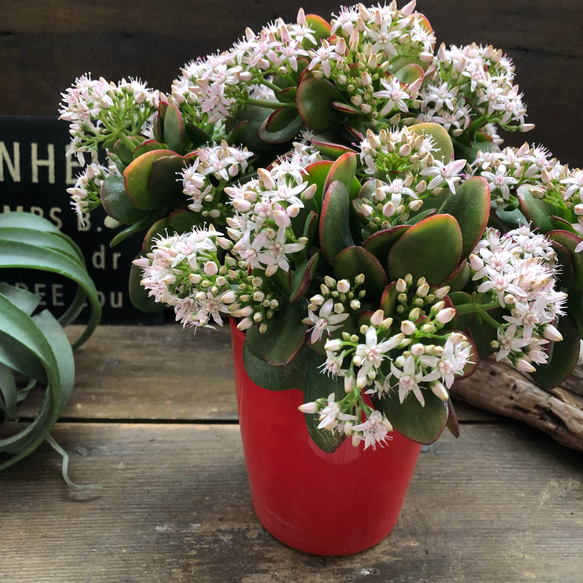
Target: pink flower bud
446	315
524	366
309	407
551	333
407	327
377	318
211	268
439	391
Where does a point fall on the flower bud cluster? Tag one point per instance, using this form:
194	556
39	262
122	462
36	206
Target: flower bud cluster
472	82
204	180
85	193
184	272
329	309
99	111
345	417
517	270
419	299
406	175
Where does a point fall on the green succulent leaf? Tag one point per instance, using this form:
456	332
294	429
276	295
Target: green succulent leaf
148	146
282	126
536	211
321	29
139	295
117	203
197	136
423	424
409	73
563	356
334	227
431	249
380	243
441	139
470	206
173	128
354	261
343	170
570	241
302	278
314	100
284	337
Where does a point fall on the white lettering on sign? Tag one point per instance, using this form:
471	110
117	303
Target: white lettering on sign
37	162
98	259
12	163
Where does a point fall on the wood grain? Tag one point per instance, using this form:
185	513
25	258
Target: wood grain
502	503
47	43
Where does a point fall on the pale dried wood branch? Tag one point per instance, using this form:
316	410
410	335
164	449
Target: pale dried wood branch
501	389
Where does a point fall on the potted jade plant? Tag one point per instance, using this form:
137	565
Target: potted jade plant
35	351
338	189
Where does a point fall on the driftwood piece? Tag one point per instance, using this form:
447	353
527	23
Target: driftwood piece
501	389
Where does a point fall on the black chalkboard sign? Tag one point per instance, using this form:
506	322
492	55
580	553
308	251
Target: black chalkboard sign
34	176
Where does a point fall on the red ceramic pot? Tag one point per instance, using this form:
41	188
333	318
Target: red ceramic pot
320	503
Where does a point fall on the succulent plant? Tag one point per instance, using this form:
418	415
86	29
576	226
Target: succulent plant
339	188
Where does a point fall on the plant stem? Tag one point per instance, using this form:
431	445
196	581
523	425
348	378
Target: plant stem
473	308
269	104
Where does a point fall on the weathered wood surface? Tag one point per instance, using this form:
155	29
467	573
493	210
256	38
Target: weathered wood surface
161	372
46	44
501	389
503	503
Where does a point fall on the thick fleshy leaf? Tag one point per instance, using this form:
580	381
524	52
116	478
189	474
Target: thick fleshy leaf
21	298
409	73
43	239
380	243
121	150
388	301
343	169
182	221
148	146
566	275
506	219
459	278
244	126
139	295
570	241
282	126
158	229
197	136
131	230
284	337
423	424
441	139
117	203
287	95
321	386
137	180
354	261
467	149
173	128
276	378
314	100
537	211
431	249
316	173
302	278
563	356
165	185
331	150
452	422
470	206
334	227
320	29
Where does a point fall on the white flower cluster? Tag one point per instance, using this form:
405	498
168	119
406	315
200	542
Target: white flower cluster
518	271
407	173
98	111
264	209
367	46
472	83
85	193
183	271
204	180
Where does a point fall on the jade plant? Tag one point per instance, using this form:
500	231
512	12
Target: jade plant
339	188
35	351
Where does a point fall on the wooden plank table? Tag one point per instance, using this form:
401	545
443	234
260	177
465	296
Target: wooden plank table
153	423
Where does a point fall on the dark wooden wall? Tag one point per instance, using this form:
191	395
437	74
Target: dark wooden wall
45	44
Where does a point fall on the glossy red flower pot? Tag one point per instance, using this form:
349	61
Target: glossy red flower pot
320	503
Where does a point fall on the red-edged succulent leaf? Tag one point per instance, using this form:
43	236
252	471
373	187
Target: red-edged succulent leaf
431	249
388	301
346	108
159	120
117	204
302	278
343	170
334	227
570	241
287	95
314	100
320	29
137	179
459	278
566	275
562	224
563	356
329	149
470	206
282	126
420	423
536	211
148	146
452	422
316	173
173	128
123	152
355	260
409	73
441	139
163	184
160	227
380	243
